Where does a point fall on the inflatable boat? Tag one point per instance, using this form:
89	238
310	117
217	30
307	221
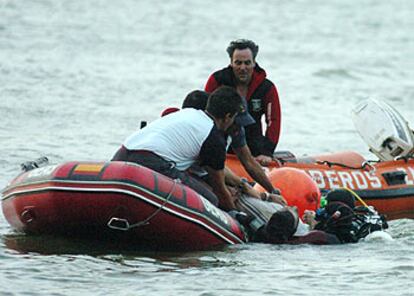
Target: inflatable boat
388	186
116	200
121	201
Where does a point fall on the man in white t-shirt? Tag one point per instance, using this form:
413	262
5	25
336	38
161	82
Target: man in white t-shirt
171	144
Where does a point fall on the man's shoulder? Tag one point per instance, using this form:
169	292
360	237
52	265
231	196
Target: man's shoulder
189	117
268	83
223	76
261	75
192	112
226	69
213	150
218	134
262	86
216	140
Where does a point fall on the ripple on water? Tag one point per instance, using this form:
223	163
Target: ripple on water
335	73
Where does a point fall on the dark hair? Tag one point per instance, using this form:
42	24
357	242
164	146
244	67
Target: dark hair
222	101
242	44
281	226
341	195
196	99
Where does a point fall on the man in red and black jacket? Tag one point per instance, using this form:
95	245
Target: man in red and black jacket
250	81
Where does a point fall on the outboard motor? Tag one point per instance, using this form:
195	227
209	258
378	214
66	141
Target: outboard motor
384	129
34	164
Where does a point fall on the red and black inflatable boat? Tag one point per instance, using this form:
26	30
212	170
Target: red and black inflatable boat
116	200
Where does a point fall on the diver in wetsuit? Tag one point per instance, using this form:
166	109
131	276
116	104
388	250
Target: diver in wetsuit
338	222
343	219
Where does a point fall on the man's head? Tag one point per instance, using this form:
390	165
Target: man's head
242	53
282	225
196	99
341	195
224	104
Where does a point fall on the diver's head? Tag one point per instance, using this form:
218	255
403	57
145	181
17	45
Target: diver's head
282	225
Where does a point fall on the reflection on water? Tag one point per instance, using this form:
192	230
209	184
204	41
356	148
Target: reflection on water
115	252
252	269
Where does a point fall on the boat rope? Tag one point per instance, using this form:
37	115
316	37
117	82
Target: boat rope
405	158
364	164
124	222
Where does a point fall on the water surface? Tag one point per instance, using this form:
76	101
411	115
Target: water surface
76	77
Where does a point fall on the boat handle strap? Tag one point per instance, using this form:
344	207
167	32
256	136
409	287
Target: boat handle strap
123	224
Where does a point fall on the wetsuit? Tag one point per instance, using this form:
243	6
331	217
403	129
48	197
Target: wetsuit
262	211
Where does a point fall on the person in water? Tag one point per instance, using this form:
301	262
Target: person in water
269	221
249	79
340	217
171	144
237	139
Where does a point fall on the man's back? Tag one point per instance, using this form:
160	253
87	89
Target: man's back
177	137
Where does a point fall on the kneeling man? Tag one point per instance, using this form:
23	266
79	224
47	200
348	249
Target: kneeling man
171	144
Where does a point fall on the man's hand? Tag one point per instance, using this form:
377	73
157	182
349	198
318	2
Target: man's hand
309	218
276	198
248	189
264	160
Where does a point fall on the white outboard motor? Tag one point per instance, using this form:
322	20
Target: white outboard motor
384	129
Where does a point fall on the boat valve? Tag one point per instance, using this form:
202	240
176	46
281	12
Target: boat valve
118	224
28	215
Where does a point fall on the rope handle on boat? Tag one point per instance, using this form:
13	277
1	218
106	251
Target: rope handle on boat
123	224
405	158
365	164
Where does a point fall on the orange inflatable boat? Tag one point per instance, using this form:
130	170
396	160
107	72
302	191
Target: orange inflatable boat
386	185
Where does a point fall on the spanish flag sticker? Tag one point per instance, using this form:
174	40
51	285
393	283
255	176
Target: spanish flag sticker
89	169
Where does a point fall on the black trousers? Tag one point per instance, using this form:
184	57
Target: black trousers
167	168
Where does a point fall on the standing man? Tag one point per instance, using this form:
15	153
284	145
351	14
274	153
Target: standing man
250	81
171	144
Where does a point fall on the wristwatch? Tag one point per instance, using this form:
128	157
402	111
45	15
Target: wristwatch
242	182
276	191
264	196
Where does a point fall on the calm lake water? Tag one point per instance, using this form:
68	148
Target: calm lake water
76	77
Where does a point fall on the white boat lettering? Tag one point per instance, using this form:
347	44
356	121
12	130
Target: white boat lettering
214	211
317	176
373	180
346	179
410	176
337	179
333	179
361	182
